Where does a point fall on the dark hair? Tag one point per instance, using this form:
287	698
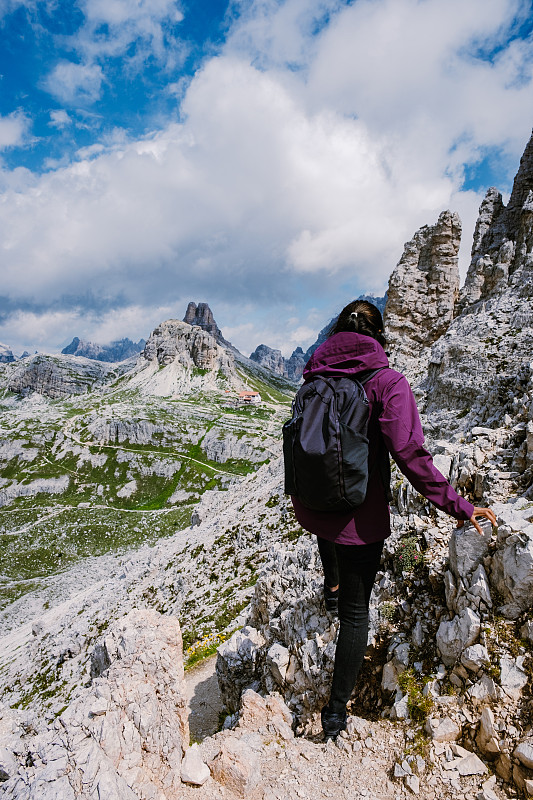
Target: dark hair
360	316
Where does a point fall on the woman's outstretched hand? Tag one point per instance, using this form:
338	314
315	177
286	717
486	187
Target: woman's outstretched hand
488	513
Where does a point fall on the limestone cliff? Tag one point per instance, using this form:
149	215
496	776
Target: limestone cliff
291	368
179	358
270	359
503	241
423	289
295	364
201	316
55	376
481	369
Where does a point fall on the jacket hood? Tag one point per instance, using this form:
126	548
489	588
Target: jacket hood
345	354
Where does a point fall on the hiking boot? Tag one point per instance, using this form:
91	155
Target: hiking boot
331	600
332	724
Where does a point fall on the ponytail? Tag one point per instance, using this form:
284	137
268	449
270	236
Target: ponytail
363	317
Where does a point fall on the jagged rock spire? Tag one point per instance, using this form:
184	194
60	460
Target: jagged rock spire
522	194
423	289
202	316
503	240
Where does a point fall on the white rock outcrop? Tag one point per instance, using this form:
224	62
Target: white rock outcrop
457	634
423	289
124	736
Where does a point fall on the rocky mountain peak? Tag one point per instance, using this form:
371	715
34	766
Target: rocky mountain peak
6	354
269	358
116	351
503	240
202	316
193	356
522	193
423	289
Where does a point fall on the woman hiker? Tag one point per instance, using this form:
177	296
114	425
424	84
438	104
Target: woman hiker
350	543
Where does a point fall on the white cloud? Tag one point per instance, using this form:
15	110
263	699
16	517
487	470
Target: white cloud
135	31
8	6
59	118
13	130
280	186
75	83
113	27
52	330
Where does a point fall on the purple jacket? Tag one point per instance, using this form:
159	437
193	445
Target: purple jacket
388	392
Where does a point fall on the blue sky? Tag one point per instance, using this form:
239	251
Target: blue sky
269	157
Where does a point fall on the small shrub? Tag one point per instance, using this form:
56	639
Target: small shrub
412	685
408	557
389	611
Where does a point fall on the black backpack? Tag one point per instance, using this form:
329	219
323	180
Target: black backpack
325	444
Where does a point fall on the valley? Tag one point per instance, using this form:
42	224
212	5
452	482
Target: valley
118	467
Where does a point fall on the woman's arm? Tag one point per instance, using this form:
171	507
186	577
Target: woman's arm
402	432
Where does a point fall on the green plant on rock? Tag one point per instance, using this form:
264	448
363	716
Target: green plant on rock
389	611
417	746
408	556
203	648
412	685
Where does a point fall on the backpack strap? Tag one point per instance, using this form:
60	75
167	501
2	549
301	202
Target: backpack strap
368	375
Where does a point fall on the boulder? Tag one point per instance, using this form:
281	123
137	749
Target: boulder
443	730
475	657
483	691
524	753
512	572
454	636
513	679
193	769
487	737
237	664
467	549
261	714
238	767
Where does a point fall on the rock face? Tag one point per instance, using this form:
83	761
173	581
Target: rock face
291	368
33	488
270	358
175	341
55	376
116	351
201	316
480	369
295	365
423	289
125	735
193	359
503	240
6	355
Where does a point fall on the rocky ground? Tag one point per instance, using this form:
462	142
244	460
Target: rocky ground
125	734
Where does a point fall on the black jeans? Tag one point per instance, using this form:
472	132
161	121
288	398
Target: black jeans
354	568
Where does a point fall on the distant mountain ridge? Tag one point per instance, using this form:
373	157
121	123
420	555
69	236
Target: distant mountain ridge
6	354
293	367
116	351
178	359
